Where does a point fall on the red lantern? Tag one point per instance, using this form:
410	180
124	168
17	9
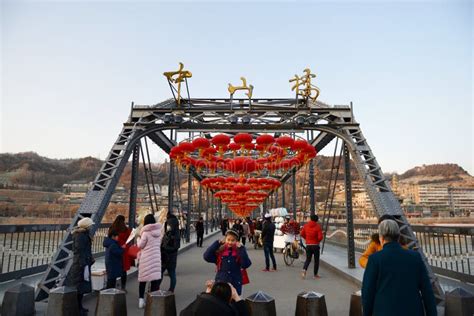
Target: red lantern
299	145
241	188
285	141
201	143
243	138
220	141
265	140
186	147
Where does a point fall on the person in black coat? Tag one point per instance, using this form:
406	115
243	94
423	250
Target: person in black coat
224	226
200	232
268	234
396	281
238	228
113	258
220	299
79	275
169	249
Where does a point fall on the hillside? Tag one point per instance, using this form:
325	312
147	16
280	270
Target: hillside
32	171
447	173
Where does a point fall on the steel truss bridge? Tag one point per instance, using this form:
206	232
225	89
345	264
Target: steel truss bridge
320	123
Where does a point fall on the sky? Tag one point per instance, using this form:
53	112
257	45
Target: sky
70	69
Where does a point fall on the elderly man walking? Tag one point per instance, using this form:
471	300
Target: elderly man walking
396	281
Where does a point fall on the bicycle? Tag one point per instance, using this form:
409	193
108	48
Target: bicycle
290	254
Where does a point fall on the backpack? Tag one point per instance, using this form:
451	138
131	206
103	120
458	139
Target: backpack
170	242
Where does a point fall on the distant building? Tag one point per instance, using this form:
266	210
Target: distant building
440	197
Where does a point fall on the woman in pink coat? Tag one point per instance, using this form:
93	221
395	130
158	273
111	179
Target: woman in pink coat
149	262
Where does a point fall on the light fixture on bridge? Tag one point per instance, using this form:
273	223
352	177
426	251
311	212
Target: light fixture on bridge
178	119
300	120
233	119
246	119
167	118
312	120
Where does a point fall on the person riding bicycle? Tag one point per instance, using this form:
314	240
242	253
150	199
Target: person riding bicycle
291	230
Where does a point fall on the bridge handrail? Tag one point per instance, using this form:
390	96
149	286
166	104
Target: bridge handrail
449	250
27	249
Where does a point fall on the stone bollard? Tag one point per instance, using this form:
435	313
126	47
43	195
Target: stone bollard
459	302
261	304
160	303
19	300
62	301
311	304
356	304
111	302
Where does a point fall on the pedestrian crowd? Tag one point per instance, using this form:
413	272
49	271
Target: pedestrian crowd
393	272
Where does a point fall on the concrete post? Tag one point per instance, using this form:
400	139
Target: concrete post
459	302
261	304
160	303
19	300
311	304
355	308
111	302
63	302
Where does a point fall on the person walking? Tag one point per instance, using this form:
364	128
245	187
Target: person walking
79	275
224	226
312	234
395	280
230	258
199	232
252	223
113	258
149	260
169	250
374	245
123	231
238	228
268	235
245	231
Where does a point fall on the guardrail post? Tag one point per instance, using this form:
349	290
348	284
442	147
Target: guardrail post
160	303
261	304
311	304
19	301
63	302
459	302
355	308
111	302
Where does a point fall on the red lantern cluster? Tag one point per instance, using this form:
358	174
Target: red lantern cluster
242	160
242	155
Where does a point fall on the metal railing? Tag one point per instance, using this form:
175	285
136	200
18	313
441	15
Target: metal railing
449	250
28	249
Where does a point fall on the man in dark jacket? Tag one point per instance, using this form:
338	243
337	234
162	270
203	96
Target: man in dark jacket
169	249
268	234
113	258
396	281
199	232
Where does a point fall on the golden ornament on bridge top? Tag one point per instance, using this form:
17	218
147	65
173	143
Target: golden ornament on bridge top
178	77
244	86
304	87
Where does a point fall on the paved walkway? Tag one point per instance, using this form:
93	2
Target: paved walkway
283	285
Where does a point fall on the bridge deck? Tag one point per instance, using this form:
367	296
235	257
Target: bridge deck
283	285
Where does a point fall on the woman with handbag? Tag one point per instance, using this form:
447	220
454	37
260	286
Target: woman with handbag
231	259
